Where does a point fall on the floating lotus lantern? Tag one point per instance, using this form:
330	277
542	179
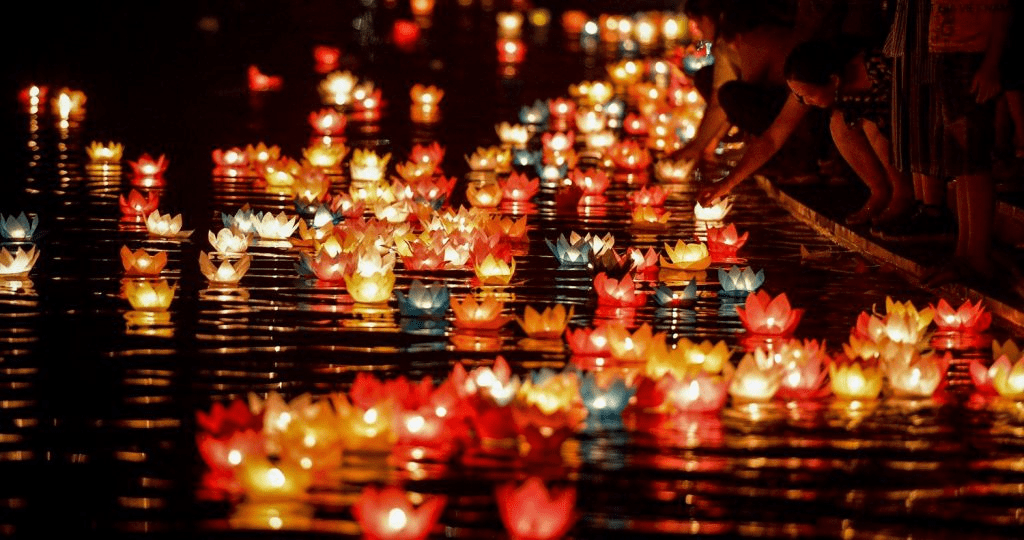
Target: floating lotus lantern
903	328
698	391
918	375
141	263
804	370
620	293
625	72
326	58
576	253
368	166
137	206
558	142
328	267
631	347
485	159
548	324
226	273
264	480
643	262
725	242
737	282
262	154
388	514
530	512
650	216
654	196
1005	377
483	314
590	181
69	104
757	378
513	135
425	96
229	242
509	23
636	125
511	51
494	271
270	227
261	82
519	188
590	121
327	122
629	156
424	300
432	153
32	97
769	316
148	168
605	400
852	380
336	88
550	173
969	317
711	357
686	257
19	263
104	154
535	115
716	211
146	295
280	173
547	410
20	228
231	162
324	156
667	297
600	141
588	341
484	195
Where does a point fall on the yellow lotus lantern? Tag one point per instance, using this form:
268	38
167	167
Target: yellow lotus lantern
667	170
141	263
262	154
715	211
165	225
372	288
263	480
425	95
368	166
650	216
494	271
514	135
336	88
590	121
484	195
229	242
548	324
19	263
711	357
483	314
688	257
271	227
626	72
101	154
631	347
896	326
507	227
485	159
557	393
923	317
1007	377
226	273
280	173
146	295
855	380
919	375
325	156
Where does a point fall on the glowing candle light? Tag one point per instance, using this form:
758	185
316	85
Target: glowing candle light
19	263
141	263
18	228
547	324
483	314
509	23
765	315
327	122
511	51
261	82
137	206
109	153
855	381
145	295
226	273
387	514
532	512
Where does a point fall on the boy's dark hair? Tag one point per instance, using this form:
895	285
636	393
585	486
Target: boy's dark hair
817	60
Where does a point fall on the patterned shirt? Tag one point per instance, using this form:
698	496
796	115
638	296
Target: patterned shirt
875	103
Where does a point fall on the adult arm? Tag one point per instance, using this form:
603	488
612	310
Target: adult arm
759	150
986	82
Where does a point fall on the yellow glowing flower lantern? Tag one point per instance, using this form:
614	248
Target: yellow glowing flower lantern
229	242
141	263
368	166
650	216
483	314
280	172
688	257
600	141
922	318
226	272
509	23
631	347
716	211
919	375
69	103
1007	376
262	154
165	226
484	195
557	393
425	95
146	295
263	480
514	135
325	156
105	154
336	88
372	288
625	72
548	324
483	159
901	327
711	357
494	271
19	263
855	380
757	377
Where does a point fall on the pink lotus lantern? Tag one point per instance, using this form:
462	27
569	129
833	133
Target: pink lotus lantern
619	293
231	162
919	375
803	370
698	391
531	512
590	181
643	262
327	122
148	172
558	142
1005	377
489	392
141	263
519	188
967	318
387	514
588	341
136	206
655	196
260	82
757	378
425	256
769	316
511	51
485	314
724	242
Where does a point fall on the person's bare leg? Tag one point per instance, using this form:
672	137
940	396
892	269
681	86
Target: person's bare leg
853	145
975	210
901	186
1015	104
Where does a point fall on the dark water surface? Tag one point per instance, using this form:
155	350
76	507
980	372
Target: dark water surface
97	413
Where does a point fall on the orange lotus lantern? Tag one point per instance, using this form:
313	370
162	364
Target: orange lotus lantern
620	293
654	196
769	316
327	122
226	273
423	95
263	480
325	156
631	347
141	263
261	82
548	324
484	195
336	88
852	380
388	514
531	512
686	257
725	242
145	295
650	216
590	181
494	271
711	357
432	153
715	211
101	154
969	317
262	154
629	156
483	314
137	206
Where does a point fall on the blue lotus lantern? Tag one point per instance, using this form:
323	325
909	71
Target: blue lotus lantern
551	174
604	403
20	228
535	115
241	221
666	296
424	300
322	215
737	282
526	158
569	253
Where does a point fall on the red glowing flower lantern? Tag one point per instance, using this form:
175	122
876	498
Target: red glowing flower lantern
654	196
147	167
519	188
643	262
620	293
629	156
259	82
222	421
326	58
967	318
769	316
233	160
588	341
724	242
590	181
635	124
531	512
387	514
511	51
327	122
405	33
138	206
429	153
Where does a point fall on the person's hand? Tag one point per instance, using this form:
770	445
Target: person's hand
687	152
712	193
985	85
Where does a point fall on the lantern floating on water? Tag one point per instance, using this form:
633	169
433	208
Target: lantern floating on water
137	206
229	242
270	227
666	296
687	257
147	167
226	273
513	135
261	82
388	514
494	271
698	390
263	480
654	196
650	216
530	512
853	380
431	300
917	375
485	314
326	157
519	188
737	282
757	378
725	242
231	162
368	166
605	400
588	341
19	263
370	288
69	104
327	121
548	324
969	317
620	293
769	316
1004	377
535	115
631	347
629	156
485	195
715	211
590	181
262	154
146	295
105	154
574	254
18	229
141	263
804	370
511	51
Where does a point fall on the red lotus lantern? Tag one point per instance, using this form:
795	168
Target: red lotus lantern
619	293
967	318
326	58
260	82
636	125
654	196
588	341
590	181
405	33
531	512
327	122
387	514
519	188
724	242
136	206
511	51
769	316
